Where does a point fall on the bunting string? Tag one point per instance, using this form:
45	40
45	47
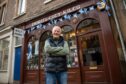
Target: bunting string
101	6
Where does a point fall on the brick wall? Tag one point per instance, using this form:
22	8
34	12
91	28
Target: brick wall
34	8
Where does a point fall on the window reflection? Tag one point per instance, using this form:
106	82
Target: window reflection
4	52
32	54
69	35
91	51
88	25
42	43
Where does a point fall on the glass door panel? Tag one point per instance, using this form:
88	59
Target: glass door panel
92	55
92	58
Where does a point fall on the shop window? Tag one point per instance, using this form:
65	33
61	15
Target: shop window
90	44
69	35
88	25
21	7
4	53
32	53
91	51
46	35
2	13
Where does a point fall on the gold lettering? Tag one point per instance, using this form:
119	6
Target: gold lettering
64	12
55	15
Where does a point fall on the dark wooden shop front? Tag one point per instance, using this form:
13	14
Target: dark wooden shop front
93	57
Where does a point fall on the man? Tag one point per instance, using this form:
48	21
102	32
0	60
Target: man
56	49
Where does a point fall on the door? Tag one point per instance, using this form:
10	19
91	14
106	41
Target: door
92	56
17	63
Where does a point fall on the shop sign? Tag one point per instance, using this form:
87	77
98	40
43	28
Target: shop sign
61	13
66	15
19	32
69	10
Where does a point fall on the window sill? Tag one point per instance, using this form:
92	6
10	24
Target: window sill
3	70
19	15
47	1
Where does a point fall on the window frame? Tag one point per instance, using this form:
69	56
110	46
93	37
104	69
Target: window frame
3	9
20	7
1	40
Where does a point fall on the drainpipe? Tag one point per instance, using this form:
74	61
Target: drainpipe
118	29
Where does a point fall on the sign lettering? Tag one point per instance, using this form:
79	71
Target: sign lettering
69	10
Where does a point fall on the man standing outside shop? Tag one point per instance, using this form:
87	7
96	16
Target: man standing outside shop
56	49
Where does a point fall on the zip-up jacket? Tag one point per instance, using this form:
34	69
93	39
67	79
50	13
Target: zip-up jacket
56	54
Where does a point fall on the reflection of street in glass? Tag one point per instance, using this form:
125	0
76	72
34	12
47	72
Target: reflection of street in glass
73	57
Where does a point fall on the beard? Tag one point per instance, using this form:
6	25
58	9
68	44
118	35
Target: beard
56	36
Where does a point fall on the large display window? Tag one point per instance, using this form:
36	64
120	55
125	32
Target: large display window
32	53
4	53
69	35
43	38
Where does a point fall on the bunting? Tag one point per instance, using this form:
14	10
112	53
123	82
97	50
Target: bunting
100	6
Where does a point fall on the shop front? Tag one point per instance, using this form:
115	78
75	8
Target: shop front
93	57
6	56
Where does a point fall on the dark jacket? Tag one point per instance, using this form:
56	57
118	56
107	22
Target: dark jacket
56	52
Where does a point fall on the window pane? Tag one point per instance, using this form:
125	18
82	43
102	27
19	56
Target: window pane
2	15
32	54
91	51
69	36
4	52
21	6
42	43
88	25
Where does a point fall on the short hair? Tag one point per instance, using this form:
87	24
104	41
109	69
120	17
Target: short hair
56	27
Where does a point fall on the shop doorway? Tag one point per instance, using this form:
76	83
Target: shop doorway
91	52
92	58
